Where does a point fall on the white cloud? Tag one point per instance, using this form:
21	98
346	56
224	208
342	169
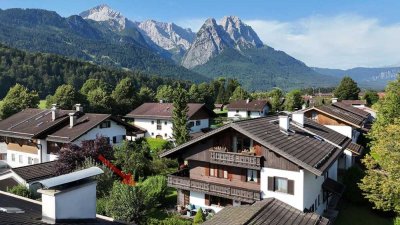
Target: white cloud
343	41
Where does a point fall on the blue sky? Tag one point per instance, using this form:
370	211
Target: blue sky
335	34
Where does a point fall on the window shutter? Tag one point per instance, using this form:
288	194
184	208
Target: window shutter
258	177
207	170
291	187
271	184
220	172
243	176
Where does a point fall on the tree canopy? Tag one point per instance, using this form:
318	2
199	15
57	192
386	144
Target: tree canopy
65	97
347	89
293	100
179	116
371	97
17	99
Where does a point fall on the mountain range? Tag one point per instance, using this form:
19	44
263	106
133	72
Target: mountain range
228	48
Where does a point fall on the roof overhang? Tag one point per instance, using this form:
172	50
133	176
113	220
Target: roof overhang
336	117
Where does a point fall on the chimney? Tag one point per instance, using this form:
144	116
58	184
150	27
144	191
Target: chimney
334	100
247	101
78	108
70	197
54	112
72	120
298	118
284	123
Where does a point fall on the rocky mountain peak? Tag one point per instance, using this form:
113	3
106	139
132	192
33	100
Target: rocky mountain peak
213	38
105	13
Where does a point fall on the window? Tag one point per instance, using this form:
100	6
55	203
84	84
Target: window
152	134
152	122
252	175
165	135
158	124
313	115
215	200
281	184
248	113
105	124
165	123
114	139
20	159
13	157
243	143
198	122
218	171
319	199
191	124
237	111
29	160
35	161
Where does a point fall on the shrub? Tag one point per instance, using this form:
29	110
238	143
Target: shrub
396	221
21	190
168	221
101	206
199	217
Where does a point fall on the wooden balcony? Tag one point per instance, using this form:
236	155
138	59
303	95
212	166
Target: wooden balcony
235	159
236	193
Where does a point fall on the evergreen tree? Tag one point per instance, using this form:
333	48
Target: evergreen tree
293	100
179	116
347	89
65	97
17	99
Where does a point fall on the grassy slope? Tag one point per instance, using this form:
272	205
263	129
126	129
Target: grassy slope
351	214
156	144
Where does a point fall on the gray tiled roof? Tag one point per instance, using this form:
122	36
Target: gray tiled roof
301	146
267	212
33	214
36	171
352	109
254	105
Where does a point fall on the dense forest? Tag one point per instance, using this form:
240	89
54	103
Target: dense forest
45	72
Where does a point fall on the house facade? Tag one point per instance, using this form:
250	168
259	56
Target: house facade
345	119
242	109
292	159
156	119
35	135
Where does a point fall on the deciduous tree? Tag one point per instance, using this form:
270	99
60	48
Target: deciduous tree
293	100
17	99
371	97
65	97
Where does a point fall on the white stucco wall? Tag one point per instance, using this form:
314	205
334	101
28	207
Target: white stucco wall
166	129
114	130
11	174
332	172
198	199
313	188
295	200
345	130
17	154
76	203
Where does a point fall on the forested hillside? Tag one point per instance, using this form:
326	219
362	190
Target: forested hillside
45	72
264	68
45	31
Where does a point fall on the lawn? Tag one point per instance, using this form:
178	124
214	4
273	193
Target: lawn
351	214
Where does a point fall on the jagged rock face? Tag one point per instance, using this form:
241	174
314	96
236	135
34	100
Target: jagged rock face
213	38
210	41
167	35
242	34
105	13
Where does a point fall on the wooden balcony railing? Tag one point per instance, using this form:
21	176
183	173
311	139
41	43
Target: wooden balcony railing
241	194
235	159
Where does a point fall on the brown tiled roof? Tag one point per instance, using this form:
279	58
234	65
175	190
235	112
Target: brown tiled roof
31	123
303	146
355	148
164	110
354	102
254	105
36	172
7	184
352	109
33	214
341	114
270	211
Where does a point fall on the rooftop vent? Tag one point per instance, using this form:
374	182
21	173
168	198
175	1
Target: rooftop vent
54	112
78	107
11	210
